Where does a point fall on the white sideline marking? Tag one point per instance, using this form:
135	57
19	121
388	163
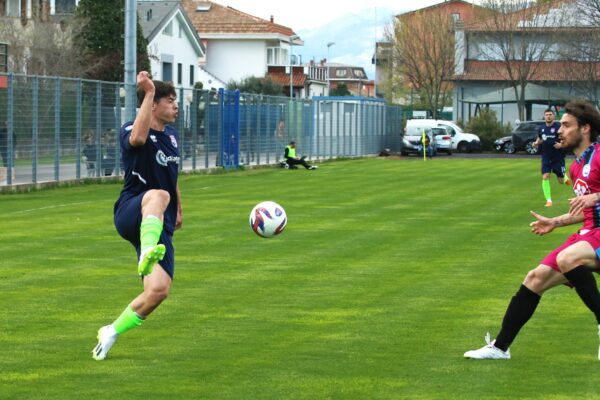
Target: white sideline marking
55	206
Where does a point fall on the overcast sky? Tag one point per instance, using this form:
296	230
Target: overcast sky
307	14
352	25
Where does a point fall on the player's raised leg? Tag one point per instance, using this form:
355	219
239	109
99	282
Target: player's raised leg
154	204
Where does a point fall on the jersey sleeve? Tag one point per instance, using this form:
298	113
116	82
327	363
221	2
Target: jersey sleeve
124	136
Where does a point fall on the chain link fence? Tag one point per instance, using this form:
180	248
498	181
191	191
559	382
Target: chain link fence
54	129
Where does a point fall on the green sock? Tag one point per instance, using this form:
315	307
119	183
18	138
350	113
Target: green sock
150	231
546	189
127	320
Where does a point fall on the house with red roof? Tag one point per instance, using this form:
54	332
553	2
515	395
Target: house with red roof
239	45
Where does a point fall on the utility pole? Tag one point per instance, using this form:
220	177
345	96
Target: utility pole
130	57
327	61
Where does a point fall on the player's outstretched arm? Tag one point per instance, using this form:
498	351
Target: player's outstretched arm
577	204
141	125
543	225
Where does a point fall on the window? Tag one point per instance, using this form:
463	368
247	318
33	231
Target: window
277	56
3	57
455	17
341	73
179	73
13	8
149	15
192	75
359	73
449	129
326	106
167	71
64	6
180	31
168	31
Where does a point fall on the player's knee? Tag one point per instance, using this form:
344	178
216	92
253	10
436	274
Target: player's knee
160	197
534	281
567	260
157	294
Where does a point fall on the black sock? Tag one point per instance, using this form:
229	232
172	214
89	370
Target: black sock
520	309
585	285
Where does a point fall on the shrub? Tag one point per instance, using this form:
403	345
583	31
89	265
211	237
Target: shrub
488	128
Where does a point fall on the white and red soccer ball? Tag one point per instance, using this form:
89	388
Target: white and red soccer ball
268	219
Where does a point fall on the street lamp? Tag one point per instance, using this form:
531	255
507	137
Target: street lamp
292	38
328	46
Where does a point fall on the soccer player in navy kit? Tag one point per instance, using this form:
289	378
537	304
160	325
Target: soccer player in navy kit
553	157
148	210
571	263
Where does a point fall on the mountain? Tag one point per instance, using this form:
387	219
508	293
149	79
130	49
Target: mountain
354	35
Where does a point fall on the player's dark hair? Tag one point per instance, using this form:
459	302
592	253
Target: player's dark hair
585	113
161	89
548	110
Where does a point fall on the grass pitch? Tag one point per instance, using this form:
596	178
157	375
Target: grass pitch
387	272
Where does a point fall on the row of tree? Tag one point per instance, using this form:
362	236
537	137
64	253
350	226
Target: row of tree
88	45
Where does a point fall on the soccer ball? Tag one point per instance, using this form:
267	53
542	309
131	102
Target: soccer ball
268	219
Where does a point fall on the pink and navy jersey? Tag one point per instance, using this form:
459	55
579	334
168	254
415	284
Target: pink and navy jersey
585	175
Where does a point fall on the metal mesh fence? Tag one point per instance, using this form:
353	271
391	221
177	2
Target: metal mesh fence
54	129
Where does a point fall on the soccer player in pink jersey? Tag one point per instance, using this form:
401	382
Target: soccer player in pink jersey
571	263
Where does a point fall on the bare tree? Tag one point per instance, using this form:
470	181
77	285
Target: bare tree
423	55
517	36
44	48
580	48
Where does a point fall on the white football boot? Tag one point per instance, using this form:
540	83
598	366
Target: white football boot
106	338
490	352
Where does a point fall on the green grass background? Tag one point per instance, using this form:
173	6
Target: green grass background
387	272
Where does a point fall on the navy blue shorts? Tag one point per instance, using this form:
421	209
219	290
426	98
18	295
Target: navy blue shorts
128	218
556	166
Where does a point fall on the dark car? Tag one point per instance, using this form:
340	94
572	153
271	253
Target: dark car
504	144
525	134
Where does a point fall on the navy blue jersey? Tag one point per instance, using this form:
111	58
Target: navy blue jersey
155	165
549	135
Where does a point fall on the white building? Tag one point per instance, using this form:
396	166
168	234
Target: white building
239	45
174	47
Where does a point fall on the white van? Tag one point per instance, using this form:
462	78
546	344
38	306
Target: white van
461	141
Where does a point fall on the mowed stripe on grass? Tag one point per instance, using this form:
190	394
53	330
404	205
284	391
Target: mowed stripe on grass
388	270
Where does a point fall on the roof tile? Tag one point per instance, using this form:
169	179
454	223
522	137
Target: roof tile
221	19
557	71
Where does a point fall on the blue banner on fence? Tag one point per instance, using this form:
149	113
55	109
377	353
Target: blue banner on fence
230	126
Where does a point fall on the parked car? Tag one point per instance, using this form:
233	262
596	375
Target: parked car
525	134
461	141
505	144
443	140
413	144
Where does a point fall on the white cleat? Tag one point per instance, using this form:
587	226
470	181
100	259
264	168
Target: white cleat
488	352
106	338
